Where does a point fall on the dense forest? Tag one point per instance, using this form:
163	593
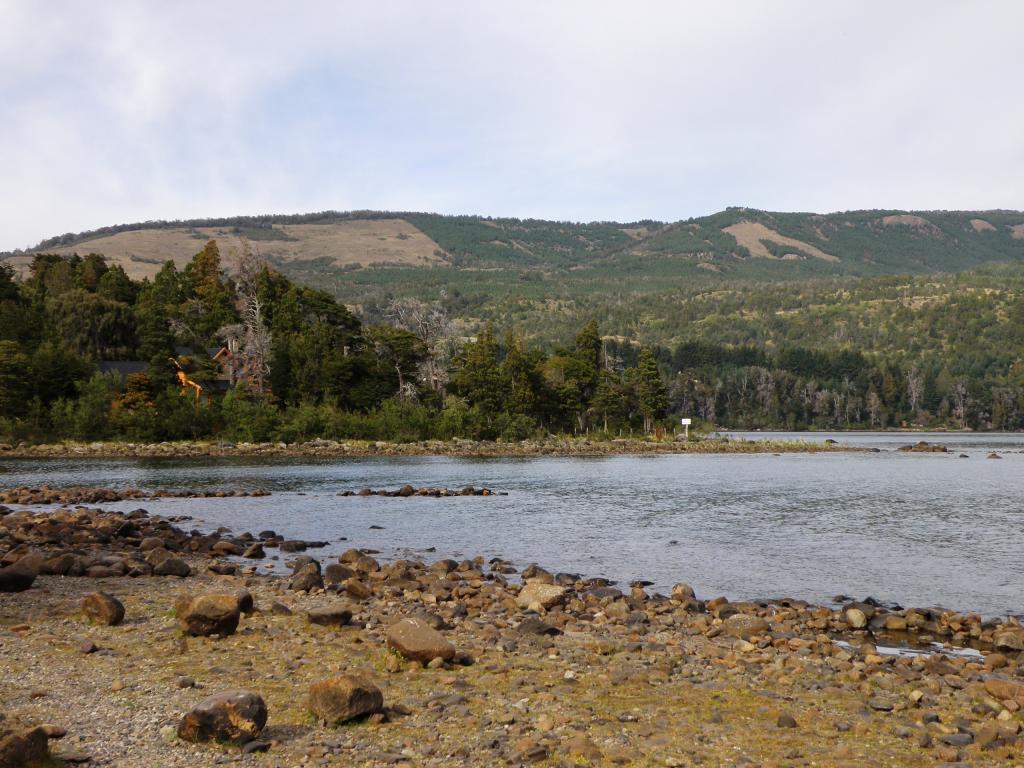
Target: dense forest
88	353
547	278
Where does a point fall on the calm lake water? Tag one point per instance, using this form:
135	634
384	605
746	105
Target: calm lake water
917	529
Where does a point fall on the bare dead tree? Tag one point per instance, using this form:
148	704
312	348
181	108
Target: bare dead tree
961	399
915	389
254	349
430	322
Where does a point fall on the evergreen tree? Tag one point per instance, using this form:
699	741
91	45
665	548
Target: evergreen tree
15	380
478	375
650	390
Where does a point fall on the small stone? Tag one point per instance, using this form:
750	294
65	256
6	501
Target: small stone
280	609
786	720
85	645
581	746
957	739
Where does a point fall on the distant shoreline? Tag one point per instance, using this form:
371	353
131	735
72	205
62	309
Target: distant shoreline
456	448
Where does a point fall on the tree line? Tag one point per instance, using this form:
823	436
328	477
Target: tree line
302	365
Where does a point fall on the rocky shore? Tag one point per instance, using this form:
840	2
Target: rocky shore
553	446
127	640
45	494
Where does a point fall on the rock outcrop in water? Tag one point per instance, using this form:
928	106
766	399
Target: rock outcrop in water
923	446
407	491
44	494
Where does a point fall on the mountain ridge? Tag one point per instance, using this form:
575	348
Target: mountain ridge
536	273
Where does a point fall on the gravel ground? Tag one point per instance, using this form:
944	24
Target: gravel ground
628	680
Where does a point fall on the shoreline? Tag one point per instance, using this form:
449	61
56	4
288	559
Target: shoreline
582	447
608	674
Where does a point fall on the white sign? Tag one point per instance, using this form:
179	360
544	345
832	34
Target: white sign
685	422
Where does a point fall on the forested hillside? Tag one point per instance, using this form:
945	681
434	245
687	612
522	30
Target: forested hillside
853	320
511	269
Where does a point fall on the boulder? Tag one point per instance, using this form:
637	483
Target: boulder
306	578
683	592
102	608
28	747
15	579
236	717
416	640
226	547
216	614
1005	689
357	589
66	564
336	615
856	618
172	566
345	697
745	626
335	573
246	604
151	543
254	552
538	593
1009	639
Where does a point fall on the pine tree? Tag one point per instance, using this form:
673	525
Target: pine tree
651	393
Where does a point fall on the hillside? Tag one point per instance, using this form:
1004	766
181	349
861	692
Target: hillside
546	275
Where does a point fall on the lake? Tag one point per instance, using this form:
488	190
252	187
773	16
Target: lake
917	529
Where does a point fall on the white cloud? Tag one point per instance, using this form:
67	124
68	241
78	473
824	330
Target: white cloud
116	111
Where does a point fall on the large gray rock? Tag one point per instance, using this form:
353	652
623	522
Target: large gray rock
236	717
343	698
416	640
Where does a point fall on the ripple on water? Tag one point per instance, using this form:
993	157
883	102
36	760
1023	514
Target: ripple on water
922	529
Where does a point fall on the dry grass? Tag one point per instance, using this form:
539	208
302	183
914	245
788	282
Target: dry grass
752	234
141	253
980	225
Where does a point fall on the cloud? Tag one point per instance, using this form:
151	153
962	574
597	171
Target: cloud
114	112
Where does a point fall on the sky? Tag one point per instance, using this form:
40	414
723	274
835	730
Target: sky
120	111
